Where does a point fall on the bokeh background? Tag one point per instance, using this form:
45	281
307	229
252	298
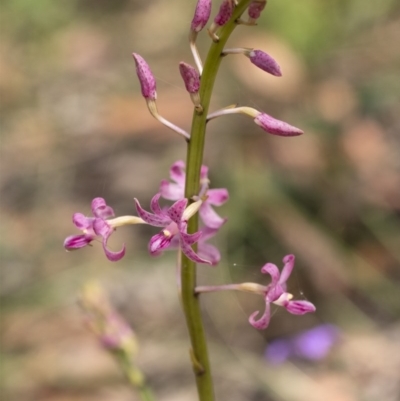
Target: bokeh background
74	126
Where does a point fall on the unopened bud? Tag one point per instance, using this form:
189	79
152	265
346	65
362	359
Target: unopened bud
146	78
265	62
201	15
276	127
224	13
255	9
190	76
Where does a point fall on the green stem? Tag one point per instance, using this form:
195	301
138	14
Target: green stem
191	306
134	376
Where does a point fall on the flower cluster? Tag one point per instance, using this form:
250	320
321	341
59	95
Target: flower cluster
173	220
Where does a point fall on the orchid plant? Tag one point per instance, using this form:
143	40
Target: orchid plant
189	188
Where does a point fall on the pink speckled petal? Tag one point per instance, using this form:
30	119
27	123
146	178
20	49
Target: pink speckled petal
175	212
101	228
150	218
192	255
155	205
263	322
190	239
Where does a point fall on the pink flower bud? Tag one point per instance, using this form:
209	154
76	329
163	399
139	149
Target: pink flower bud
255	9
190	76
201	15
276	127
265	62
224	13
146	78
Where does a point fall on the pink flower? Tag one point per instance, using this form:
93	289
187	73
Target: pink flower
93	227
215	197
174	220
276	293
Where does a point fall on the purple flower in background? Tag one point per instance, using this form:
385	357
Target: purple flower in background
214	197
93	227
313	344
174	220
276	293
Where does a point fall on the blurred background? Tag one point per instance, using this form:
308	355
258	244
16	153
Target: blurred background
74	126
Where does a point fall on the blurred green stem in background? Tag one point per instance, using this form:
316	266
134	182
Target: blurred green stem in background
134	375
191	306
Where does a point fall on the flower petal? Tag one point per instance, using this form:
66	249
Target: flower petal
191	254
210	217
171	191
101	209
300	307
209	252
190	239
150	218
177	172
273	271
82	222
217	196
288	261
77	241
111	255
175	212
263	322
159	242
155	205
